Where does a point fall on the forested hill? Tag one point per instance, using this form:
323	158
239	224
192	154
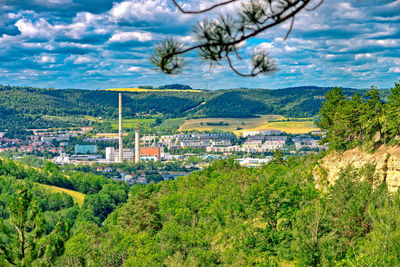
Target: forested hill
33	107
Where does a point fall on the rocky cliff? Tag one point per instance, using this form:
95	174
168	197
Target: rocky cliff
384	162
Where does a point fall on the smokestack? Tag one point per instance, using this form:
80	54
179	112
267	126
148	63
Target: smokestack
121	146
137	143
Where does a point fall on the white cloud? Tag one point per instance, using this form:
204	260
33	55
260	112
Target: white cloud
134	69
364	56
83	60
394	70
45	59
122	37
345	10
53	2
143	10
26	27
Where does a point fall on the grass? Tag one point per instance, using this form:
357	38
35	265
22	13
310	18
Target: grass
78	197
131	123
140	90
264	122
172	123
167	124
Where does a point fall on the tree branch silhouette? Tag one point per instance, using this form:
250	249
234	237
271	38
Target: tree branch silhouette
221	38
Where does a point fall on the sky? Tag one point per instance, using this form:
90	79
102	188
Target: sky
101	44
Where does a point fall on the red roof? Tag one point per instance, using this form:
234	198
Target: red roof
150	152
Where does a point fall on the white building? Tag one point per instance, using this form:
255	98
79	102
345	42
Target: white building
306	142
110	154
270	145
223	149
254	162
62	159
128	154
261	132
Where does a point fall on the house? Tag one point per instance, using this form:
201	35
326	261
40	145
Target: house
107	169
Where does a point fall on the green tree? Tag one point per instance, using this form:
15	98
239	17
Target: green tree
392	112
23	238
373	113
334	99
347	128
277	157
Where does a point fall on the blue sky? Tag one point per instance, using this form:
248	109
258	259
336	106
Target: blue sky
102	44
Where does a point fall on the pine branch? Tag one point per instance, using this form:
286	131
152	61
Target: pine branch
221	37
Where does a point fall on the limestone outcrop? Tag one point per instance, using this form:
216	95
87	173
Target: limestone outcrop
385	162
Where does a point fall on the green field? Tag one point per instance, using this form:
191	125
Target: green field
150	124
172	123
131	123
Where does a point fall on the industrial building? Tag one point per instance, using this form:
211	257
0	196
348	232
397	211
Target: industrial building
85	149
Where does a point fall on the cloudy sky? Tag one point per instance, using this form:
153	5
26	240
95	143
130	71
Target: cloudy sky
102	44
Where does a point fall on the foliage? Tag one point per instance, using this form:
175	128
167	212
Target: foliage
23	237
360	120
102	195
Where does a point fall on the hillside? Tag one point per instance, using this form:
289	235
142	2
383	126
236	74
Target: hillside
384	164
234	216
26	107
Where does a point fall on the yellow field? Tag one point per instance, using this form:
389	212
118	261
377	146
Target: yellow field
234	123
78	197
290	127
140	90
264	122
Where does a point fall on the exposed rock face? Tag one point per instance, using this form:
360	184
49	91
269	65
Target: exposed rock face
386	161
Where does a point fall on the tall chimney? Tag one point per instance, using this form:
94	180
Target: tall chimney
137	143
121	146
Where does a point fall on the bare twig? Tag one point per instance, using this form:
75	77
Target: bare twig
290	29
317	6
235	70
203	10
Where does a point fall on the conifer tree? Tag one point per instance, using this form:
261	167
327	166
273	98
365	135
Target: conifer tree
392	112
334	100
23	239
372	117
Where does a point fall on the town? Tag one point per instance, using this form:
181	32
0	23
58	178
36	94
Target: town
168	155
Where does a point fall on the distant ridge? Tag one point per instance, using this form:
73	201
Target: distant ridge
29	107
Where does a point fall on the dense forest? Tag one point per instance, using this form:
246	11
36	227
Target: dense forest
223	215
26	107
